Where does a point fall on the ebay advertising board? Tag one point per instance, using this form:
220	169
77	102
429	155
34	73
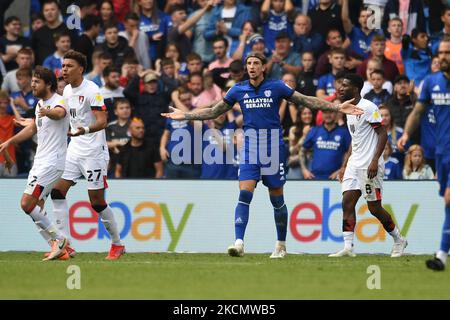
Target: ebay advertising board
198	216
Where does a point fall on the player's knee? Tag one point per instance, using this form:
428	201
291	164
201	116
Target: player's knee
27	206
57	195
245	196
277	201
374	207
348	206
99	207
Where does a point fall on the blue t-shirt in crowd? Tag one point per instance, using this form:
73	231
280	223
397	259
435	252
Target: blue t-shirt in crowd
329	148
326	82
54	63
29	99
276	22
150	28
392	169
360	42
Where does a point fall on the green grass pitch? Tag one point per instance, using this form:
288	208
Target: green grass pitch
217	276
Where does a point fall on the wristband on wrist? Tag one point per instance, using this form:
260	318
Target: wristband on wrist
86	130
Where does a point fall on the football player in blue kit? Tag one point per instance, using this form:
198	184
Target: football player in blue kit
259	99
435	92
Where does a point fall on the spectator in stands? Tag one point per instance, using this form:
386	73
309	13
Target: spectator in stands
180	32
23	99
435	65
129	70
37	21
24	59
218	150
137	39
6	132
326	16
377	94
111	90
173	52
335	41
220	47
297	134
276	16
148	104
86	42
96	75
138	158
416	56
249	41
42	41
61	84
415	166
180	164
283	59
12	42
394	43
306	80
304	38
199	43
287	111
329	143
107	15
410	12
194	63
325	86
394	133
117	134
402	100
116	46
372	65
55	60
392	167
169	77
360	37
377	48
227	20
155	24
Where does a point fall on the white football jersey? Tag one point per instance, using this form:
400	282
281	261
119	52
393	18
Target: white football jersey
81	101
364	137
51	134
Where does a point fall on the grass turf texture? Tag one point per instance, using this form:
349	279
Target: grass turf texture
217	276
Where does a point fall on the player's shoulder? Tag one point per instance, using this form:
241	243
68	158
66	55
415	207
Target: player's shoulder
89	85
367	105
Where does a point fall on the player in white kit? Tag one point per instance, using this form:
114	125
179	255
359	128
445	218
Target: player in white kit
362	173
87	154
51	125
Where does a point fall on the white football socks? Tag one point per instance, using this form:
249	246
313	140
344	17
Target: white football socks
348	239
441	255
396	234
61	212
107	217
40	219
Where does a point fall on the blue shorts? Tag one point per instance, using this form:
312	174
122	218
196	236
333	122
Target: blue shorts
276	177
443	172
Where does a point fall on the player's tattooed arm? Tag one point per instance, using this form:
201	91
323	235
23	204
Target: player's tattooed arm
316	103
312	102
302	158
208	113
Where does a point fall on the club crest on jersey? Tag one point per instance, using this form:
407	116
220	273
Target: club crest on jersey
98	97
268	93
80	99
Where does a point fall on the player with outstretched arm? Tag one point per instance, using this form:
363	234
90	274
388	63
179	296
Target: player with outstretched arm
259	99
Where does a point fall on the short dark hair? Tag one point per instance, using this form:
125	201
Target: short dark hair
236	66
50	2
11	19
131	16
78	57
378	38
47	76
176	8
415	33
59	35
105	56
194	74
130	60
91	21
167	62
109	69
110	25
25	51
220	38
355	80
377	71
341	75
24	72
37	16
445	9
337	51
193	56
118	101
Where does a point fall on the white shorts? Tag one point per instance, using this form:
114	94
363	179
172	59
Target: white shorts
41	180
93	169
356	179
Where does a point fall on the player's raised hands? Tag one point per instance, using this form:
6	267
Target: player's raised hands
349	108
175	114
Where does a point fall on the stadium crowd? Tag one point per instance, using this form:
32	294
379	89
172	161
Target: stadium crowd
147	55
